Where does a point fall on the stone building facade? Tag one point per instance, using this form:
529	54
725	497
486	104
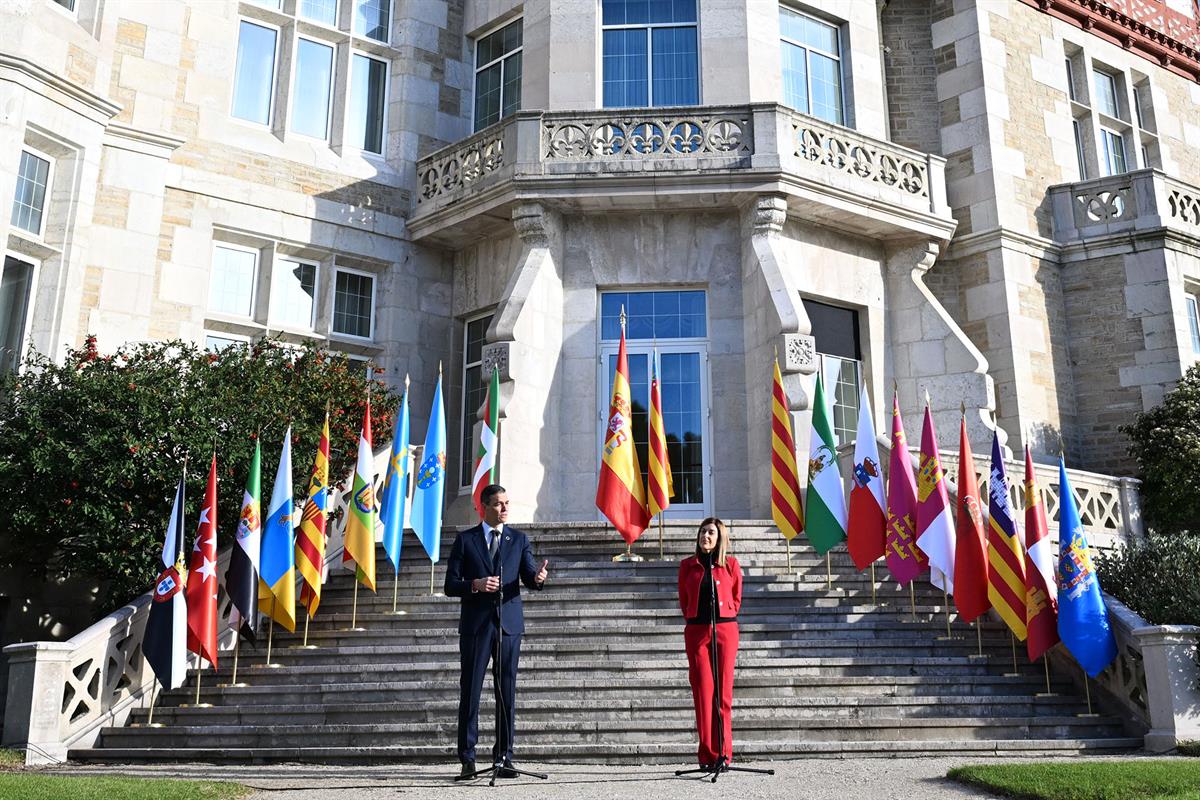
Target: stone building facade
900	191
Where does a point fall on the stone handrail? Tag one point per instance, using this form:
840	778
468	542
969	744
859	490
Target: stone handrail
1140	200
469	164
60	694
639	134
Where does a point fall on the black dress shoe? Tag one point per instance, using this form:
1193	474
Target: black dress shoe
468	771
506	771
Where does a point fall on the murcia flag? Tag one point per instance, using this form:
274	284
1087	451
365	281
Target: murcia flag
620	494
202	585
1041	588
164	643
935	528
867	525
825	517
360	519
970	553
904	559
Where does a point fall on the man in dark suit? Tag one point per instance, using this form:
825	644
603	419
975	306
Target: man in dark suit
479	557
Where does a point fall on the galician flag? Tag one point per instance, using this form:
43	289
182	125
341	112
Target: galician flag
660	484
1041	585
395	487
360	519
904	559
489	444
241	580
1006	559
277	571
310	540
867	525
935	528
825	518
785	479
163	641
201	592
1082	616
620	494
431	481
970	553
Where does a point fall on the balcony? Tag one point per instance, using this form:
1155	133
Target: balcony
679	158
1123	205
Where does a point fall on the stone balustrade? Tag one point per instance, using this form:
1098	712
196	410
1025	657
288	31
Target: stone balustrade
1146	199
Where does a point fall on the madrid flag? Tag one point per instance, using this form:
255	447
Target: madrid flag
620	494
201	592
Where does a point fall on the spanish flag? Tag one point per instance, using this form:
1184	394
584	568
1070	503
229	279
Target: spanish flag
785	481
310	539
620	495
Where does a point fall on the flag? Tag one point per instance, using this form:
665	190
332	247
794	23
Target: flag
489	444
163	643
360	519
935	528
785	479
395	488
904	559
241	580
431	481
825	519
310	540
1041	595
1082	615
1006	563
619	493
660	484
277	570
201	592
867	524
970	555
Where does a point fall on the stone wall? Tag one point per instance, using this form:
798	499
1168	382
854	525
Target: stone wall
911	71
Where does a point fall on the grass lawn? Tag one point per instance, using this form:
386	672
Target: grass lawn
11	759
32	786
1141	779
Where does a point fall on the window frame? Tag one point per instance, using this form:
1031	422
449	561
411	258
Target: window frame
648	27
1080	156
232	337
298	14
390	26
468	431
1192	306
1072	94
51	163
338	269
72	12
1116	82
212	313
1106	136
272	104
387	90
275	322
333	65
475	60
34	275
808	50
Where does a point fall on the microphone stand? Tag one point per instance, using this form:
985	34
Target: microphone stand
722	764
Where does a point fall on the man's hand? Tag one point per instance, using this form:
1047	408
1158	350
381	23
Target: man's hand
489	584
540	578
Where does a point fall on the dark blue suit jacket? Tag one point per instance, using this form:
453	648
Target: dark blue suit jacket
469	560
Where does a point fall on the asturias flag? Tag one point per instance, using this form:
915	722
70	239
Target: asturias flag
395	488
163	642
310	540
201	590
660	484
970	555
360	519
825	519
1041	595
1006	561
935	528
241	581
867	526
1082	616
277	570
431	481
620	494
904	559
489	444
785	480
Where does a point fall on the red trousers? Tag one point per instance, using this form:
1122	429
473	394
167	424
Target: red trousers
698	641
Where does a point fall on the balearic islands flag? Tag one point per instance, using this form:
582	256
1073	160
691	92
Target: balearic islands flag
310	540
867	525
660	484
825	518
935	528
620	494
904	559
360	521
163	642
277	571
241	581
1041	590
1006	562
431	481
201	592
785	480
489	444
970	555
395	488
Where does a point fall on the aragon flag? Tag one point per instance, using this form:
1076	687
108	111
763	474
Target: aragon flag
360	520
825	520
904	559
163	642
867	526
201	590
1041	590
620	494
277	575
785	479
970	553
241	580
310	539
1006	563
935	528
489	444
660	484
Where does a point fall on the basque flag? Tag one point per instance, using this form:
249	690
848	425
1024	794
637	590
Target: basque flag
164	642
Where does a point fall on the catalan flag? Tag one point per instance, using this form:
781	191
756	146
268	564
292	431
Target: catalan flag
660	484
310	541
619	493
277	569
1006	561
785	480
904	559
360	521
1041	586
970	553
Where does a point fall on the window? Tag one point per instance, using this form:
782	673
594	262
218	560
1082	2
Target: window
1071	80
311	88
812	67
234	274
1193	322
69	5
474	388
836	332
1079	149
354	304
498	75
323	11
254	73
650	53
654	315
1106	93
16	289
368	103
294	293
29	202
372	18
215	343
1114	152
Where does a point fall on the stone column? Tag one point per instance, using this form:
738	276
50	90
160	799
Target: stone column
37	676
1169	655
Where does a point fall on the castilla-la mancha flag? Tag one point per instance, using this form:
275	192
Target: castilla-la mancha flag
904	559
620	494
201	592
970	553
868	523
1041	582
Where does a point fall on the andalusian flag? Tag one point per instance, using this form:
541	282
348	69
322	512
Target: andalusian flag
310	541
489	444
825	522
241	580
1006	561
620	494
395	488
970	549
1041	584
904	559
785	480
360	522
277	573
660	484
935	528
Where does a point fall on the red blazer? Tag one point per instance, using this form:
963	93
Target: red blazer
729	586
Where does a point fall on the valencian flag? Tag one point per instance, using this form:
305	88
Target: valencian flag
277	571
1082	616
310	539
201	592
431	481
1041	586
935	528
785	479
825	520
1006	562
904	559
970	555
867	525
395	488
660	484
241	580
620	494
489	444
360	519
163	642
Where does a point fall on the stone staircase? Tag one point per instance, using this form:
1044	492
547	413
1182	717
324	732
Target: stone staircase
604	679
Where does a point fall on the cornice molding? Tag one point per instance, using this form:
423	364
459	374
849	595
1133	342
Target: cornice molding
106	109
150	143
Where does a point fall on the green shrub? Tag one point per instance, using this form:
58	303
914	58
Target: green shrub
91	447
1158	577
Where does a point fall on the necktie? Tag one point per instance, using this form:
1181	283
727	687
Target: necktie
494	550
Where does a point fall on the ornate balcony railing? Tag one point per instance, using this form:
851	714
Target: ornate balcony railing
1132	201
635	137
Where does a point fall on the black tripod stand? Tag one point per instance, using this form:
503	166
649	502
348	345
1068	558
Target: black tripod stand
722	764
498	762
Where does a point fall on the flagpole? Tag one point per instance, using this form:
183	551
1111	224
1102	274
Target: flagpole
946	603
828	574
396	586
912	597
197	679
788	542
661	557
150	718
431	569
307	617
354	607
1012	640
873	602
237	643
271	631
979	638
1088	693
1046	668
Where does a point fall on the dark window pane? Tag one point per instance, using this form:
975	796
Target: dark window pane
834	328
352	311
16	286
368	87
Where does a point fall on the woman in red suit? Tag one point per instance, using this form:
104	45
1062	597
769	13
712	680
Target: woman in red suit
711	572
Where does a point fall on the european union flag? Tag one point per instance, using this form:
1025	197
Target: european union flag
395	488
431	481
1082	616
